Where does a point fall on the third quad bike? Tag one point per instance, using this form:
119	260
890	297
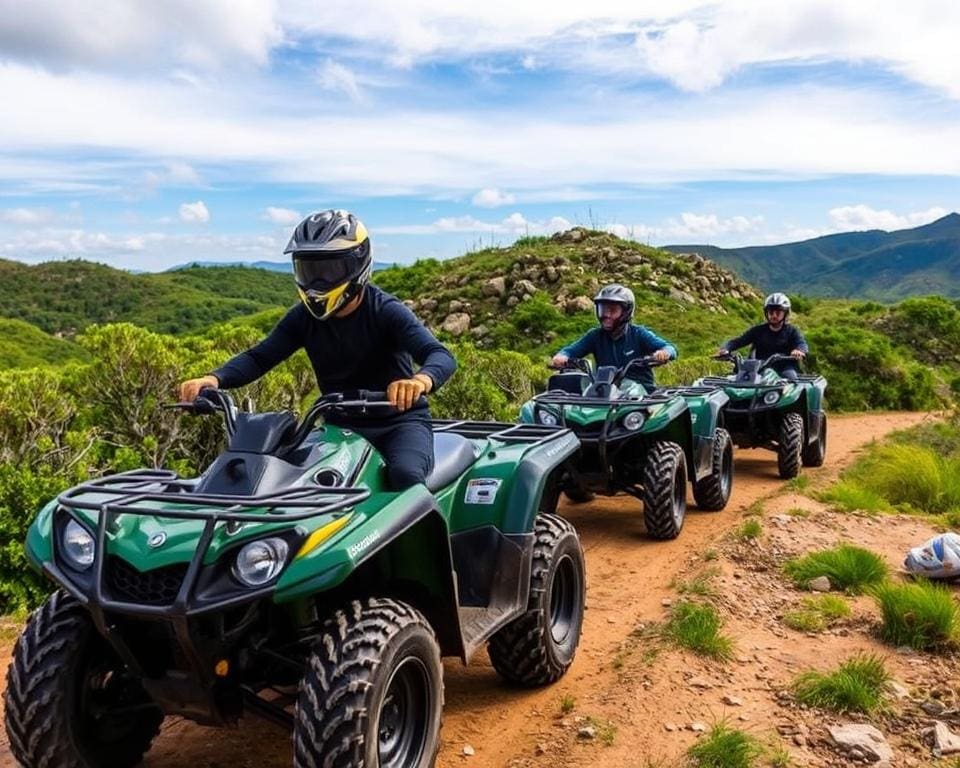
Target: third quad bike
642	443
768	411
287	581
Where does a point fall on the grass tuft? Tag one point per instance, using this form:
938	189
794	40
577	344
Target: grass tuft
567	704
606	730
857	685
696	627
798	484
749	530
922	615
852	497
817	613
725	747
850	568
700	584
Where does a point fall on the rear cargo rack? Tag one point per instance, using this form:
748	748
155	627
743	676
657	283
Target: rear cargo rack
502	431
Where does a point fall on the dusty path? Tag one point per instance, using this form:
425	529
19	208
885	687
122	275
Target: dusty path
628	579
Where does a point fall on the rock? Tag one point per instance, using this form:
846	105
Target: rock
578	304
574	235
861	741
683	296
945	742
456	324
495	286
478	331
428	304
897	690
697	727
933	707
541	749
820	584
522	287
666	602
670	727
409	304
455	305
512	301
551	274
587	733
699	682
732	701
468	750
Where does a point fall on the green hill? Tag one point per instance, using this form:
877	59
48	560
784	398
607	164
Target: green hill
64	297
879	265
24	346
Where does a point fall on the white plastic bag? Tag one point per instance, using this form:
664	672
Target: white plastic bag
939	558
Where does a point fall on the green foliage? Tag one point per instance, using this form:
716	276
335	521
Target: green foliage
23	346
725	747
857	685
749	530
929	325
700	584
854	498
696	627
848	567
922	615
817	613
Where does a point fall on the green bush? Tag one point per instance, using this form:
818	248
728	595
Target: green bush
725	747
922	615
857	685
848	567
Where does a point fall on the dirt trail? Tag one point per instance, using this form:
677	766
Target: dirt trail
628	581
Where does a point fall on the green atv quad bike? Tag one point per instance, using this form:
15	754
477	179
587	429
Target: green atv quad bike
285	581
768	411
642	443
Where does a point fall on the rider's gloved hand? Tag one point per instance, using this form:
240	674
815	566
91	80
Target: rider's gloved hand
559	361
403	393
661	355
188	390
722	351
798	354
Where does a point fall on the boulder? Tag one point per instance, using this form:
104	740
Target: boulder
578	304
524	286
861	741
495	286
456	323
455	305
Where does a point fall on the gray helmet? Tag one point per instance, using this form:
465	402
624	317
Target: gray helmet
616	294
778	300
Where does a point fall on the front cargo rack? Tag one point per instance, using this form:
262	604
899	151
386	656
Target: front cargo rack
502	431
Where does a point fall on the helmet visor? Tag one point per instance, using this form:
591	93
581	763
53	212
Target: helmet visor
323	274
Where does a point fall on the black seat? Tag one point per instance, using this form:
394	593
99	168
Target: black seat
452	456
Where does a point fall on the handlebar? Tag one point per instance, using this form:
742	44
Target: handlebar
579	364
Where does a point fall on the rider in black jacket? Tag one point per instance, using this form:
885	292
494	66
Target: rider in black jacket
776	336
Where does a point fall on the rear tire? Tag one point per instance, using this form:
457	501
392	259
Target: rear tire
713	492
69	700
664	490
790	445
537	647
814	453
372	693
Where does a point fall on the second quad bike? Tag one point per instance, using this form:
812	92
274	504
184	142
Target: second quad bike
768	411
643	443
288	581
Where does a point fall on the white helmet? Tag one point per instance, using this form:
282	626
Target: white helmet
778	301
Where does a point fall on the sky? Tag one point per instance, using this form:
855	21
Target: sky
150	134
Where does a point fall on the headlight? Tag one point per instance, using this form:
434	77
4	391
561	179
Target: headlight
771	397
78	545
633	421
547	418
259	562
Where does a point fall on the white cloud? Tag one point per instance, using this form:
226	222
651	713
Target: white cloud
514	224
116	34
284	216
860	217
492	198
26	216
194	213
333	76
689	226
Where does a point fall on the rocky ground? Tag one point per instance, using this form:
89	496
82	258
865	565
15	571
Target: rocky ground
629	700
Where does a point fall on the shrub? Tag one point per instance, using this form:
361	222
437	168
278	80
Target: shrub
817	613
848	567
922	615
725	747
857	685
852	497
697	627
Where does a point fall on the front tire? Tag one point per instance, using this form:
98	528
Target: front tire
664	490
69	700
790	445
372	694
814	453
713	492
538	647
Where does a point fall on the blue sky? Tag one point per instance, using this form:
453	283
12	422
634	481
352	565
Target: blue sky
145	135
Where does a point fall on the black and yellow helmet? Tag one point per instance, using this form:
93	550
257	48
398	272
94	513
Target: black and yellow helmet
331	260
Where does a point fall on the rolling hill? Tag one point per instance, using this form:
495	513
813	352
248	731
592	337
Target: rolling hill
875	264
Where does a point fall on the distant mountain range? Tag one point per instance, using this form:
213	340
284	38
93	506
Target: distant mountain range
874	264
